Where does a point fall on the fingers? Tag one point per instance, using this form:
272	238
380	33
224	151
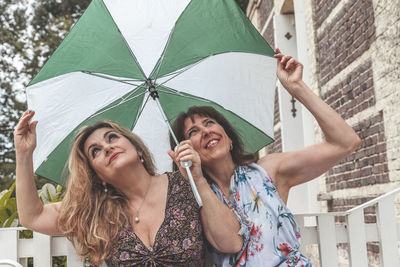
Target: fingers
172	154
285	62
32	127
186	152
291	64
23	124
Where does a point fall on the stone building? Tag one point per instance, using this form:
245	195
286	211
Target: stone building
351	55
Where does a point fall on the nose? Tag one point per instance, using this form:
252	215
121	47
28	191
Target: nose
108	149
205	131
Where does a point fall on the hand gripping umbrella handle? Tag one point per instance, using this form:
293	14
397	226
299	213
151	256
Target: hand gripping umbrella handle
187	165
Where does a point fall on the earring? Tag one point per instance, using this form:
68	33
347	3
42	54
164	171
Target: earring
105	187
231	147
141	159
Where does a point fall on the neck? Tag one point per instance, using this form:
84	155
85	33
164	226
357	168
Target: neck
135	182
220	171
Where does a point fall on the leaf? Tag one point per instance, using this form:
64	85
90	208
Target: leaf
7	195
11	220
11	205
3	215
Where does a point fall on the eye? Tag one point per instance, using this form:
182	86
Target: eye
191	133
111	137
210	122
95	151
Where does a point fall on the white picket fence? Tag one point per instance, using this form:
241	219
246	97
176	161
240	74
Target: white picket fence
326	233
354	232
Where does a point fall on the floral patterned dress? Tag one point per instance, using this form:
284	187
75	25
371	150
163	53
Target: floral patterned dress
178	242
272	237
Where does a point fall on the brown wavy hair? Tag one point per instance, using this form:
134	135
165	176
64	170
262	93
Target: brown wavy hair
89	217
239	155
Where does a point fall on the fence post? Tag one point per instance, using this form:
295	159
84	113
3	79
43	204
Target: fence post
357	239
9	244
327	240
72	257
387	229
42	250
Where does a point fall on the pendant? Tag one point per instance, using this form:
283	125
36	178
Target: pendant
137	219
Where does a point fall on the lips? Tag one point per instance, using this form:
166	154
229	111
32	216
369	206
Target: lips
212	143
114	156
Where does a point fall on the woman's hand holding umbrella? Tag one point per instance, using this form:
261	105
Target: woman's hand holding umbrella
296	167
289	71
213	213
185	152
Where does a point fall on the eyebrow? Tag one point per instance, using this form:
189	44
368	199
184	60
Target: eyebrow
94	144
202	122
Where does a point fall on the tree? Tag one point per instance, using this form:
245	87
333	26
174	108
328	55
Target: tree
13	28
29	33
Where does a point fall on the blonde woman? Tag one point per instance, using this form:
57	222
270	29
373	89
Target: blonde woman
116	209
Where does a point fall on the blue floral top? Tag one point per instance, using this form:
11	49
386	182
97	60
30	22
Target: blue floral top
271	235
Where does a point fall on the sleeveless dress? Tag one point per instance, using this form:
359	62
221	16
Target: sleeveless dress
178	242
271	236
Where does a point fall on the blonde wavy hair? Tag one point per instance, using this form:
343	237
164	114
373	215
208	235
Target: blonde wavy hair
89	217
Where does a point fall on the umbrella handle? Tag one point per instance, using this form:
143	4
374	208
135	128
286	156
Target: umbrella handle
187	165
192	184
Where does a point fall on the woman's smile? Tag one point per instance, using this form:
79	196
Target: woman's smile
114	156
212	143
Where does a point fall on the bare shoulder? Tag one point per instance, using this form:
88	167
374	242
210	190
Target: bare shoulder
56	206
270	163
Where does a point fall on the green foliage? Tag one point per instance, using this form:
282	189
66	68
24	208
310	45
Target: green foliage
29	33
50	194
8	208
8	204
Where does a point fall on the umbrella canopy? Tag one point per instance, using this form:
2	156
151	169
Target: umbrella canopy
194	52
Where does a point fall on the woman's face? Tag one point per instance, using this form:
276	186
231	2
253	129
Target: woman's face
109	153
208	138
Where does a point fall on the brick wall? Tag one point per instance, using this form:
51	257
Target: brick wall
269	34
264	10
322	9
344	39
354	93
276	146
368	165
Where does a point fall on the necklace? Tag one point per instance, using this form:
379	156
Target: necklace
136	219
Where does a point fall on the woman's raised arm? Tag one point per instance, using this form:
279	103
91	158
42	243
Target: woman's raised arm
292	168
32	214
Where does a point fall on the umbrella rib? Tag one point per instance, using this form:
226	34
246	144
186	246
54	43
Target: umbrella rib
134	91
121	81
127	45
116	105
179	73
140	111
109	78
177	93
163	55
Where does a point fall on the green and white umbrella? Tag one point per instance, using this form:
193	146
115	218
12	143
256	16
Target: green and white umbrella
192	52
